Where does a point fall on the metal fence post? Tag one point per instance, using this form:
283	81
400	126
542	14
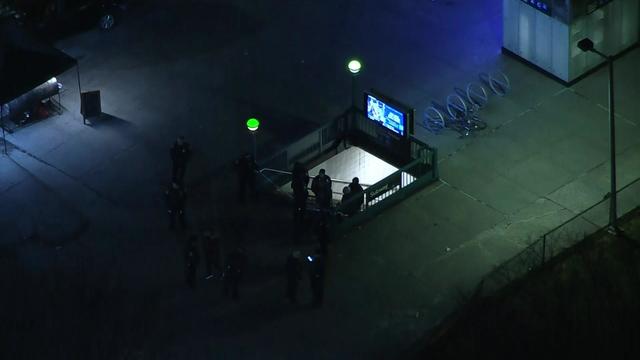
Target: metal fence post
4	136
544	246
434	162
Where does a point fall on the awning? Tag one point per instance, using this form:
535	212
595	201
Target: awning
26	62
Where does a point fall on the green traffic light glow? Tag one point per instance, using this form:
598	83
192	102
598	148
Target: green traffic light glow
253	124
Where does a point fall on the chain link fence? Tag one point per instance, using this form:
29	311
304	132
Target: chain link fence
560	238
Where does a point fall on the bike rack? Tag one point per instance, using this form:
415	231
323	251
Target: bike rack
457	107
434	120
477	95
461	109
498	82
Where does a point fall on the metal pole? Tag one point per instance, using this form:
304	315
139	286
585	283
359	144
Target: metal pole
544	247
613	195
613	203
353	92
4	137
84	120
253	136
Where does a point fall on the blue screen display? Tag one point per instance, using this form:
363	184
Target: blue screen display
388	116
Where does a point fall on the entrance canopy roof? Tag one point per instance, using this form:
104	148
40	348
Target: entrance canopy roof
26	62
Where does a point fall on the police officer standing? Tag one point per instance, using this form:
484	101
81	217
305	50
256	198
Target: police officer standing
211	250
321	187
345	205
316	277
324	236
180	155
236	265
176	198
293	269
246	169
299	184
192	259
356	191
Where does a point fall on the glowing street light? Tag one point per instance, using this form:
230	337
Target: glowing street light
354	66
253	124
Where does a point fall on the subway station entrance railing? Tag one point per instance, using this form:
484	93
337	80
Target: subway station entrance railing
407	180
416	169
264	172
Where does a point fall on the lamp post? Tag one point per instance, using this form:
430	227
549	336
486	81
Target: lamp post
586	45
4	137
252	125
354	67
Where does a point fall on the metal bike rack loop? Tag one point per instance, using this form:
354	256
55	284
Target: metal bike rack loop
457	107
477	95
434	120
498	82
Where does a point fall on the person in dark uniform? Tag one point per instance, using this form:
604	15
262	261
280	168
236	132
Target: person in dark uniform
324	236
357	191
299	184
246	169
192	260
346	206
236	266
321	187
293	269
180	155
176	198
316	277
211	250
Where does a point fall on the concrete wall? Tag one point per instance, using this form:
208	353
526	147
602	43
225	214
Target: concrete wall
536	37
550	42
613	28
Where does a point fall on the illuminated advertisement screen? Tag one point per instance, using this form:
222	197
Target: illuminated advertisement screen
386	115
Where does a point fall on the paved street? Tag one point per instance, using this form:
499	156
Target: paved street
200	68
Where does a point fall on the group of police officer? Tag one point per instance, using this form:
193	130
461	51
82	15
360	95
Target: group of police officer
210	240
321	186
233	272
247	170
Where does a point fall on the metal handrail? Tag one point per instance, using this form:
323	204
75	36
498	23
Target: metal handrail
318	131
290	173
272	183
275	171
403	170
314	143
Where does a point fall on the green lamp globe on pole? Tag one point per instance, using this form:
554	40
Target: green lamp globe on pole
253	124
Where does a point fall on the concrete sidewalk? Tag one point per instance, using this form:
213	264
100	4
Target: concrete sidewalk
543	160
